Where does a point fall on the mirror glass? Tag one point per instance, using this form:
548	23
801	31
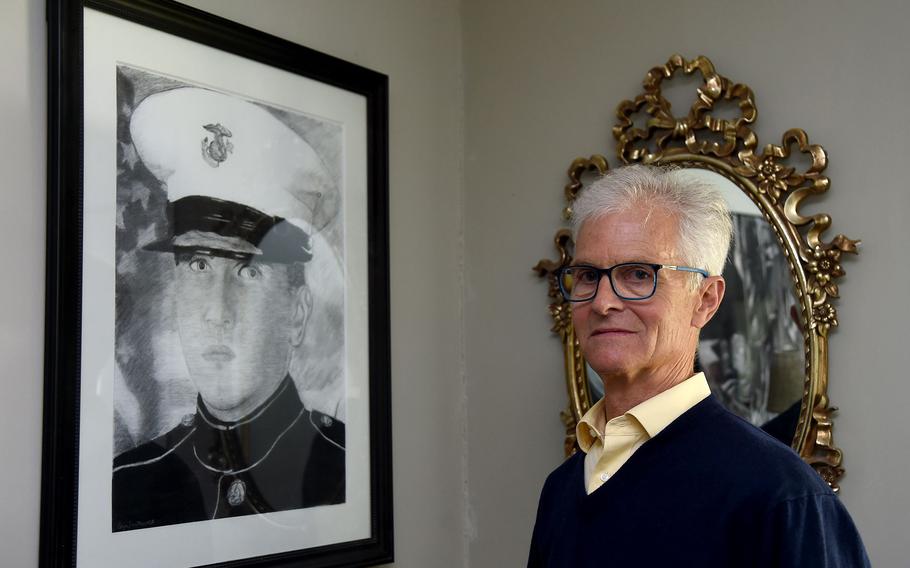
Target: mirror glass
752	350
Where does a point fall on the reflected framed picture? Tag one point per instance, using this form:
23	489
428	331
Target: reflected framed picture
217	388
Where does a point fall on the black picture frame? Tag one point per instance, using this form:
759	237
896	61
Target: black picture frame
64	341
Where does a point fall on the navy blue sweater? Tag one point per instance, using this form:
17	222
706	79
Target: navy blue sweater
710	490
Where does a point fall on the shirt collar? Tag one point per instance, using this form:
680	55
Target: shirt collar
654	414
659	411
593	419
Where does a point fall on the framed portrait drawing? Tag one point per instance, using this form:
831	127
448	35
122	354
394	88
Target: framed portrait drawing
217	345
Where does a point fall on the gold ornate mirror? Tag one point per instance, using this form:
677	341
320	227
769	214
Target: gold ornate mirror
766	352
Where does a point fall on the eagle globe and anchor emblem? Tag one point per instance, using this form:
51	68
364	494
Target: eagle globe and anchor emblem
216	150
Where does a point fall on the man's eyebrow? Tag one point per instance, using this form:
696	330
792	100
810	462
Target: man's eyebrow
187	254
612	263
251	260
240	262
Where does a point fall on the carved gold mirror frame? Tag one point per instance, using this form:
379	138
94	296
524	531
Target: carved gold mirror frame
772	180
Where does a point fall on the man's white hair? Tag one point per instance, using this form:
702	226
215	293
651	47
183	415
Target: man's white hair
705	228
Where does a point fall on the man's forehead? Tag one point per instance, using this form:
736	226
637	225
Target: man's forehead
637	234
642	213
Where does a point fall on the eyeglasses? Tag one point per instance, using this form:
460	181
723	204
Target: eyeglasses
629	280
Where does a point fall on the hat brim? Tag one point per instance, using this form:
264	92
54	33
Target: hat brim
225	228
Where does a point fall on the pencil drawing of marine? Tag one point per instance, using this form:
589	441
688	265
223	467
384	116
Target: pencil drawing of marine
229	398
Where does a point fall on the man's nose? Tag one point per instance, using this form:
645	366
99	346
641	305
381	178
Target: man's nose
606	299
221	303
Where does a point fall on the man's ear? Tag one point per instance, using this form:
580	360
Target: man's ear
710	294
303	306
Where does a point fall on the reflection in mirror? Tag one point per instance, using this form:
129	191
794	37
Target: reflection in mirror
752	350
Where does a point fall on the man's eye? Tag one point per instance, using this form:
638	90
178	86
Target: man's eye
199	265
586	276
249	272
632	274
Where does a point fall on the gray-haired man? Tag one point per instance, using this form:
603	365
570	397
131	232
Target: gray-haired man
666	476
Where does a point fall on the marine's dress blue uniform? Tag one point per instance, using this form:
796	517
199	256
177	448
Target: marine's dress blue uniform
281	457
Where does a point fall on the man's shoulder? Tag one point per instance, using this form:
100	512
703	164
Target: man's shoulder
746	454
568	475
147	477
329	428
155	450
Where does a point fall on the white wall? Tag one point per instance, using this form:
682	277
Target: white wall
542	80
415	42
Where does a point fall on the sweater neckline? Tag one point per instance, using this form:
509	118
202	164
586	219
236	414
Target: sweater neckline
703	409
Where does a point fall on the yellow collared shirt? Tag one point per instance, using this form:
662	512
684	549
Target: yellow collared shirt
608	446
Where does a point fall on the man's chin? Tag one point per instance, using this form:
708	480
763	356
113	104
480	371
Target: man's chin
211	371
215	398
607	368
222	405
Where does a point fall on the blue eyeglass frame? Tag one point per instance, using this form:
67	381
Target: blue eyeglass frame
608	272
